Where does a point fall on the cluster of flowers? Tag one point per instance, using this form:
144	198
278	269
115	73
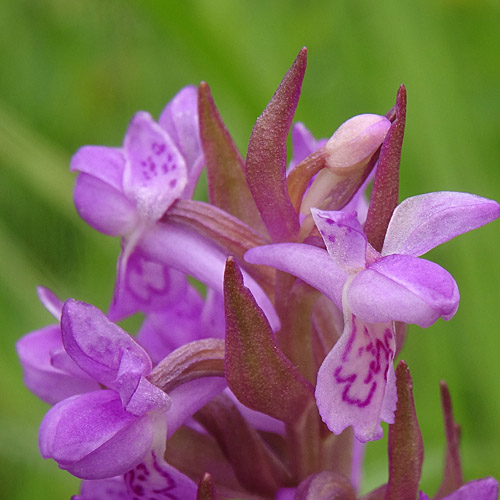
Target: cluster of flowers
269	384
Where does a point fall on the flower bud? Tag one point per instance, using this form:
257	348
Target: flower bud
348	152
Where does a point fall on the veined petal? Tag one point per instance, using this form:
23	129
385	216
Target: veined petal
93	437
41	377
155	172
309	263
403	288
101	162
356	383
144	285
162	332
156	479
103	207
343	237
182	248
97	345
423	222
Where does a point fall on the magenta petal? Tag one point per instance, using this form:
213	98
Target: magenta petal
180	247
103	207
98	346
403	288
311	264
145	286
179	324
147	397
50	383
188	398
180	120
50	301
93	437
103	163
423	222
98	489
155	173
343	237
481	489
155	479
303	144
354	381
212	317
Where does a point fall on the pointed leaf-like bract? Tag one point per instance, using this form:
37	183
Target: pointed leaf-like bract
198	359
406	450
453	477
385	192
227	231
266	157
227	186
257	468
206	488
257	371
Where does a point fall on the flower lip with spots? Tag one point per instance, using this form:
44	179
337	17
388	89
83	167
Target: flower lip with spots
377	289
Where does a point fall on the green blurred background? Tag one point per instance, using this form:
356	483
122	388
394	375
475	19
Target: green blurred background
74	71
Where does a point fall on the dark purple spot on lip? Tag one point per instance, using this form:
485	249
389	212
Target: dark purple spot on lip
332	238
173	183
329	221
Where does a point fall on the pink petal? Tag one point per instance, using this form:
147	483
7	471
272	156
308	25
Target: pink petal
165	331
343	237
156	479
144	285
303	144
98	489
481	489
423	222
188	398
48	382
50	301
103	207
403	288
103	163
98	346
93	437
309	263
155	173
180	247
180	120
356	384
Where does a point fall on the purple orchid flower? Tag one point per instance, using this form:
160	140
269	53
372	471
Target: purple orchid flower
48	371
126	191
355	385
108	432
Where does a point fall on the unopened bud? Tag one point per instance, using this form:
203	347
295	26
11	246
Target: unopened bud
348	152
